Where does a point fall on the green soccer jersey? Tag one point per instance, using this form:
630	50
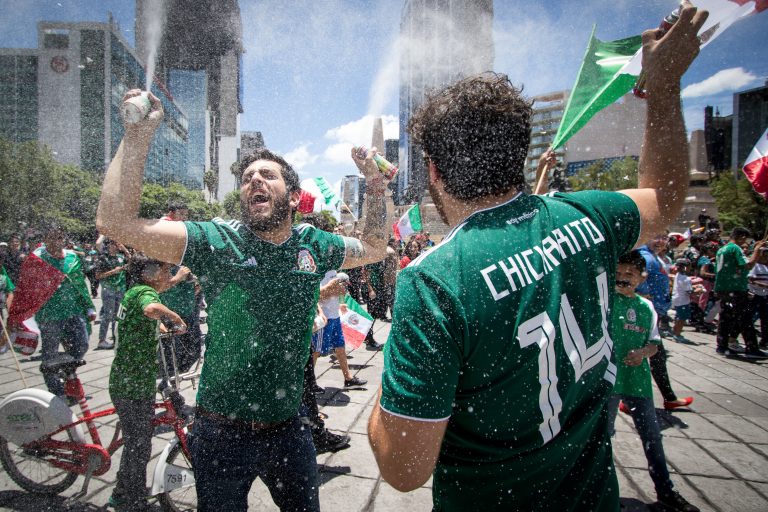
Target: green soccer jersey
261	305
731	274
503	329
134	368
633	326
181	298
108	262
72	297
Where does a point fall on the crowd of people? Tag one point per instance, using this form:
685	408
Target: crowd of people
514	340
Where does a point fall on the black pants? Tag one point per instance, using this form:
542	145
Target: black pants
660	375
736	318
308	399
136	423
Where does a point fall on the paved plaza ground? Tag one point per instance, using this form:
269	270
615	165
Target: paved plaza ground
717	450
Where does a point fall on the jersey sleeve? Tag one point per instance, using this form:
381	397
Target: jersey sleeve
617	213
739	257
332	248
422	358
147	298
206	241
9	286
653	332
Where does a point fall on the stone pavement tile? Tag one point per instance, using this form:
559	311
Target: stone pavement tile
739	458
684	456
761	384
684	486
634	485
628	451
738	386
361	425
729	495
697	384
260	499
740	428
673	424
345	493
761	488
357	460
703	404
736	404
699	427
342	418
388	499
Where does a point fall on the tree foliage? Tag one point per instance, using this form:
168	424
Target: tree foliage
231	205
155	199
739	205
35	191
620	175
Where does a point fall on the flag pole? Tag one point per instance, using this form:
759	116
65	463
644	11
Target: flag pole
7	341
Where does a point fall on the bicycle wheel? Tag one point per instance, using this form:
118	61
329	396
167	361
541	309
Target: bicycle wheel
29	469
182	495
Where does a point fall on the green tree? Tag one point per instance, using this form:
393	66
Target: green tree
155	199
231	205
739	205
211	182
620	175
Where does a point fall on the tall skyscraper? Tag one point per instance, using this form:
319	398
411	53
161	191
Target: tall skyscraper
67	93
441	41
202	42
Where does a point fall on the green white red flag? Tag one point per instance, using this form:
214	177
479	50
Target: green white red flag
409	223
610	69
355	323
330	197
756	166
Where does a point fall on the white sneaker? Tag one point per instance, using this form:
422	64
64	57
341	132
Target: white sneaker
105	345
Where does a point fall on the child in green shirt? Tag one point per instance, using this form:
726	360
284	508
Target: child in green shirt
635	339
132	379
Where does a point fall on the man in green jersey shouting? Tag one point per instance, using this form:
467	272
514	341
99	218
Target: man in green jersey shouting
261	278
499	363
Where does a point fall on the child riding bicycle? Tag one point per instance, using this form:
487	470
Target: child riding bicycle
134	369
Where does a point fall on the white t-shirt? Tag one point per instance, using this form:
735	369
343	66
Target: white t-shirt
330	305
759	271
681	291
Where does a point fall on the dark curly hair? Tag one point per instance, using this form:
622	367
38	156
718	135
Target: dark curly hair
289	174
476	132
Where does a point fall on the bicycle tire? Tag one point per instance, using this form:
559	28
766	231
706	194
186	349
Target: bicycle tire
32	473
182	498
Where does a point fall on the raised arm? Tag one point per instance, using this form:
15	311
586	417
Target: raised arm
118	213
372	246
664	167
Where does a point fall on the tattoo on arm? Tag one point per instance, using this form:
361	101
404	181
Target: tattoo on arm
375	216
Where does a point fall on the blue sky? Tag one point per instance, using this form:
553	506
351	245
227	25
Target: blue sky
314	71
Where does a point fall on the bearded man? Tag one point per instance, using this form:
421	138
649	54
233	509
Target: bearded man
261	277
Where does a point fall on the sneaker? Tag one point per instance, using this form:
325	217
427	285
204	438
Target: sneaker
665	333
679	338
755	354
318	390
326	441
373	346
624	407
354	381
735	347
105	345
680	402
673	501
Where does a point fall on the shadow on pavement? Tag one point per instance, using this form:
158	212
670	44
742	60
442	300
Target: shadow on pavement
669	420
24	501
633	505
335	397
328	473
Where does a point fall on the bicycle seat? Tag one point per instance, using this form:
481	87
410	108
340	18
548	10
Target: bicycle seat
61	362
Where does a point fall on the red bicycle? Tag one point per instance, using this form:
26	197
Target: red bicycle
43	447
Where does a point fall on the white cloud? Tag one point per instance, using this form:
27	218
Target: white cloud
356	133
300	157
726	80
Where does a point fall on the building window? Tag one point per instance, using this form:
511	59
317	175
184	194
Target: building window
56	40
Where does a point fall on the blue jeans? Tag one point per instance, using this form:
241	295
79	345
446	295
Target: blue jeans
644	415
72	333
110	302
227	460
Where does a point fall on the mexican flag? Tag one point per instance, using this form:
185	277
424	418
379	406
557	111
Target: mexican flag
408	224
355	323
306	202
756	166
610	69
38	281
329	195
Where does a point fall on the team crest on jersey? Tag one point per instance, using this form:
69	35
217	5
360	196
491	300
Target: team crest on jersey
306	263
631	315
